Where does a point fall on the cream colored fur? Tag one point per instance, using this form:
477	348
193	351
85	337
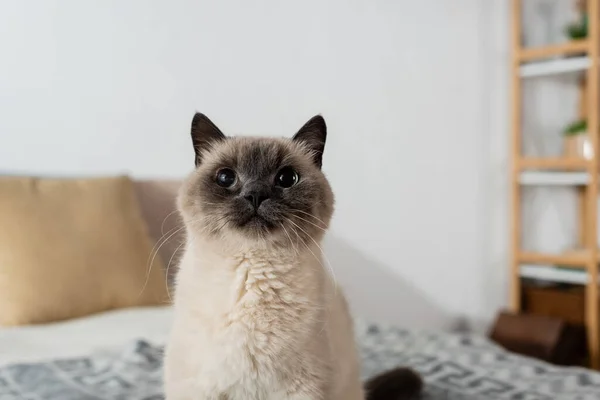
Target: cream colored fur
259	324
257	316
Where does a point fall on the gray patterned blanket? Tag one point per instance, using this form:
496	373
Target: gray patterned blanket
455	367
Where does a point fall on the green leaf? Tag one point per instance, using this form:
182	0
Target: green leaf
578	30
576	128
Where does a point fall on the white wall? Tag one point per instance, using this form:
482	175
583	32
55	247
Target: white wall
411	91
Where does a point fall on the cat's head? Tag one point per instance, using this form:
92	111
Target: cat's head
257	190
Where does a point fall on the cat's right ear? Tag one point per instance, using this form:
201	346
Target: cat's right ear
204	134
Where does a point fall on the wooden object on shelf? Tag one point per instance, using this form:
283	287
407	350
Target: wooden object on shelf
546	338
589	49
577	146
566	303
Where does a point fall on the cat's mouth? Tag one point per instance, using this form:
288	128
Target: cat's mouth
256	221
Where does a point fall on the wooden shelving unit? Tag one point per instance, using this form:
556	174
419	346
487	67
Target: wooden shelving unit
579	266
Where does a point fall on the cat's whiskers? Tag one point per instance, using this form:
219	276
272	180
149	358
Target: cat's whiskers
167	269
289	237
154	253
295	232
263	236
162	225
307	221
163	234
220	196
219	229
322	254
326	308
206	227
310	215
211	204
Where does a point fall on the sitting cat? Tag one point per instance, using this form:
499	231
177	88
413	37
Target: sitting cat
257	314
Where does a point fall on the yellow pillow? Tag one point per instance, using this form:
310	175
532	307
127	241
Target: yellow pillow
72	247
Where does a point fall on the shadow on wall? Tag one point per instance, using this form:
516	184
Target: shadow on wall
380	295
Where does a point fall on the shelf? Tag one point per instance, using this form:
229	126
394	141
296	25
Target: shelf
554	163
553	274
579	264
554	67
569	259
552	178
574	47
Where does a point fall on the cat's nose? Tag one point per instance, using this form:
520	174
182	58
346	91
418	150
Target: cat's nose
255	198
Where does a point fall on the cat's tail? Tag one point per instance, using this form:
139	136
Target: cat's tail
395	384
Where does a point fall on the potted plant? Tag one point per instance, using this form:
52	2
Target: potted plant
578	30
577	140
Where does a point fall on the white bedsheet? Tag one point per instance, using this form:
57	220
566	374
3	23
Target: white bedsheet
81	336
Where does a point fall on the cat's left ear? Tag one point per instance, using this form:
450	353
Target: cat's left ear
313	134
204	134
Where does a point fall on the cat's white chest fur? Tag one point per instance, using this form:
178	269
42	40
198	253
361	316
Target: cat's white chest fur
259	326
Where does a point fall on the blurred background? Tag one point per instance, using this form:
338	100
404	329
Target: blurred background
415	94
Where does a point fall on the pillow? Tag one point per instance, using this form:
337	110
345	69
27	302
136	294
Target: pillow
73	247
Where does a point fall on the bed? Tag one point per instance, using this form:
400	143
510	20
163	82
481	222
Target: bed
118	355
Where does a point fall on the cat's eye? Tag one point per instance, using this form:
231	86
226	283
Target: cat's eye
286	177
226	177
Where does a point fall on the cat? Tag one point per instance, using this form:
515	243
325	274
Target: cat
257	314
